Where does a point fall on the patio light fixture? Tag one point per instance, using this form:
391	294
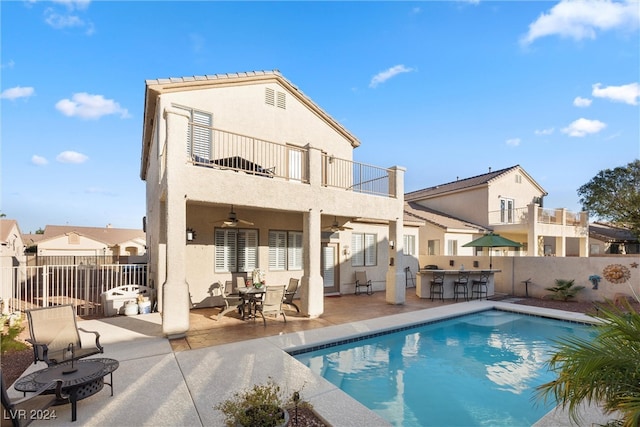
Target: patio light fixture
191	235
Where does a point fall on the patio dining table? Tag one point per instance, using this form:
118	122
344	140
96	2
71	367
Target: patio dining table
250	295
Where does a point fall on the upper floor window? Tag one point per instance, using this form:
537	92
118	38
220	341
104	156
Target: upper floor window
506	210
452	247
409	244
199	133
236	250
285	250
364	249
433	247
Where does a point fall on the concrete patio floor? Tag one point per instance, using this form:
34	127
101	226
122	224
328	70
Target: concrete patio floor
179	382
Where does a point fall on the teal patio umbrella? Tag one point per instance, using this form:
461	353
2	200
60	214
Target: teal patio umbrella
492	240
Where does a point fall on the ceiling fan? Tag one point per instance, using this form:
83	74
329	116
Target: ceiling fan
232	220
335	226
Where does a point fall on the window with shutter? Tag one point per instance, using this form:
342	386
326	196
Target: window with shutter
277	250
225	250
370	252
247	250
199	133
409	244
294	250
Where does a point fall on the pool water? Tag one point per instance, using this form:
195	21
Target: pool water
475	370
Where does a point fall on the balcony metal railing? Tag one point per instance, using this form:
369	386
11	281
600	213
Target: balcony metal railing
513	216
545	216
216	148
227	150
357	177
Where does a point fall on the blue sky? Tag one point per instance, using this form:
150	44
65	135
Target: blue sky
446	89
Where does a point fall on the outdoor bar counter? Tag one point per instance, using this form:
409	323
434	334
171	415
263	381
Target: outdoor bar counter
424	278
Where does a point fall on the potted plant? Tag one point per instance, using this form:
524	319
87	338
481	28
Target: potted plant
264	405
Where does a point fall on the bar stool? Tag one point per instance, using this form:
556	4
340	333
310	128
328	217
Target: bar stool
437	285
460	285
479	287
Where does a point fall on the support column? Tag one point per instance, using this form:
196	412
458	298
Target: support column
175	302
396	284
312	287
532	230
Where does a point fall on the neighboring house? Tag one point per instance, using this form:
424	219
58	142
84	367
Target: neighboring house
244	171
74	245
11	243
508	202
607	239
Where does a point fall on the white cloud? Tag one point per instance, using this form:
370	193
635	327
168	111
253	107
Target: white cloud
74	4
38	160
583	19
383	76
513	142
581	102
17	92
548	131
89	106
71	157
628	94
582	127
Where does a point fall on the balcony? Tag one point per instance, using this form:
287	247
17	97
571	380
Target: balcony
219	149
543	216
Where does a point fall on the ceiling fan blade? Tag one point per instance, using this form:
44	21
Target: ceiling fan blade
244	222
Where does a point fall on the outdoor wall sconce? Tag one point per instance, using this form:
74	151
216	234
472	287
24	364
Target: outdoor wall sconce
451	262
191	235
346	251
475	264
392	244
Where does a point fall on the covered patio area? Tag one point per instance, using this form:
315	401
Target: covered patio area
206	331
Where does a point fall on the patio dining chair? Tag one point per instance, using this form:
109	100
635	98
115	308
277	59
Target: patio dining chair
23	411
232	300
55	335
271	303
362	281
290	292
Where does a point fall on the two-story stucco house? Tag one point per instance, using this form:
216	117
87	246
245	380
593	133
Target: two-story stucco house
507	201
11	243
245	171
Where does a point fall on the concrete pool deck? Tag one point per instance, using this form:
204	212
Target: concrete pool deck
160	385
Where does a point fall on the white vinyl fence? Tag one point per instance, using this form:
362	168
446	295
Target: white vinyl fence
23	288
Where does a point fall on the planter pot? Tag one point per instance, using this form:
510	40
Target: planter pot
261	423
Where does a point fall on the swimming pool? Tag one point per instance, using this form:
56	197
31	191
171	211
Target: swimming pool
473	370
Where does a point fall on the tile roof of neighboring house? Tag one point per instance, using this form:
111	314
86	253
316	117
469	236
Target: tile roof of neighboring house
108	235
441	219
154	87
6	225
609	233
464	184
32	239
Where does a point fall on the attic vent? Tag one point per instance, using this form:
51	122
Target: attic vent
269	96
518	179
73	239
282	100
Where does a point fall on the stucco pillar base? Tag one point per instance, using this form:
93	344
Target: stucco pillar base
175	310
396	287
312	296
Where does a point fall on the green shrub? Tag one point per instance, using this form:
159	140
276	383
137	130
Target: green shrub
564	289
9	337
